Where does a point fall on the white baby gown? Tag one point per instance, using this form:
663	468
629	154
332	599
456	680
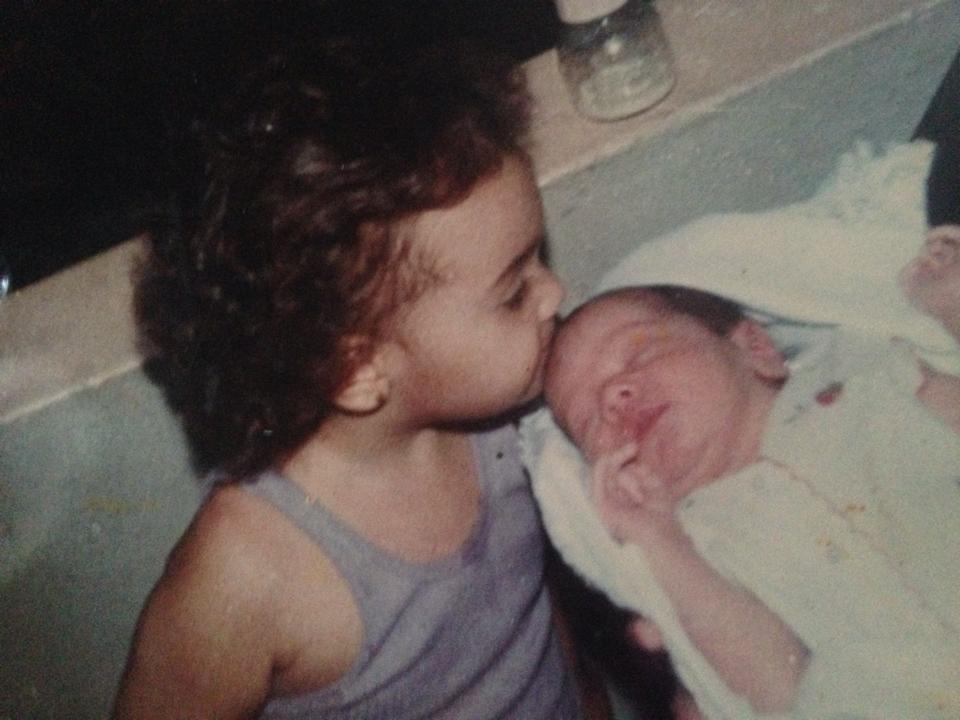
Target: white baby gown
844	530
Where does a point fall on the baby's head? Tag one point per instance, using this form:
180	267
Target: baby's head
682	373
931	281
301	242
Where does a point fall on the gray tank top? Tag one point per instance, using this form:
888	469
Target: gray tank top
466	637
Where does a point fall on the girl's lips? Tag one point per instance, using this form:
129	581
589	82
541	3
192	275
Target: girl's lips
645	419
546	336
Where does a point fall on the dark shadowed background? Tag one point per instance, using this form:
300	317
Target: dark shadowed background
94	94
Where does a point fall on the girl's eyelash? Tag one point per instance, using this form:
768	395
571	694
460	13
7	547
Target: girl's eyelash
515	301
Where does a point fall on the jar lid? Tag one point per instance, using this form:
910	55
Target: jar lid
581	11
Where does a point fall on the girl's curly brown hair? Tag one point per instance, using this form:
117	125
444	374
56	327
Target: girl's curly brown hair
289	247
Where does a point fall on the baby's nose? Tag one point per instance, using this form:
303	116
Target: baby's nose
618	398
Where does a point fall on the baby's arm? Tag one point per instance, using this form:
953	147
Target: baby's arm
751	649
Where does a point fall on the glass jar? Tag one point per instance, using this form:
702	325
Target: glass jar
613	56
4	277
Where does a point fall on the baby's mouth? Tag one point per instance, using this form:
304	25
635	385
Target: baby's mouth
644	420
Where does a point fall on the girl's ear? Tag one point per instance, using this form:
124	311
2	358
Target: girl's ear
369	386
366	391
758	350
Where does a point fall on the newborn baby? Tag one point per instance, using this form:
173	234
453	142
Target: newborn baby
667	391
664	390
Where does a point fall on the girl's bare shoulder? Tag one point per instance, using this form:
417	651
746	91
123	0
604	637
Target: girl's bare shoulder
229	557
244	550
244	581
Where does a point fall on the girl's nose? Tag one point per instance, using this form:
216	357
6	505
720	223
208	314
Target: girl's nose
551	294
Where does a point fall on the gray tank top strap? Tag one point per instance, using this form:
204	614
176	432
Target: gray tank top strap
370	571
313	518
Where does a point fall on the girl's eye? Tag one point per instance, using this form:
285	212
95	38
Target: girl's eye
515	301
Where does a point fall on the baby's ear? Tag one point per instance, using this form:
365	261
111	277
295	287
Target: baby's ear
758	349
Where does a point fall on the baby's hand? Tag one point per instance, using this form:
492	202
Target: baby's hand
633	503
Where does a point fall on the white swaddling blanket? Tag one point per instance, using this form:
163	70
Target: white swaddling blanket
819	269
845	530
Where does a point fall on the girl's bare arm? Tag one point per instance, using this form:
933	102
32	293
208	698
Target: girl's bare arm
197	653
239	615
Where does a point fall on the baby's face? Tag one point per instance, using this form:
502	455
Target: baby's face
624	370
931	280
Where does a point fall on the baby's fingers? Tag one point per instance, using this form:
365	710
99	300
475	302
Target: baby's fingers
615	461
622	490
606	476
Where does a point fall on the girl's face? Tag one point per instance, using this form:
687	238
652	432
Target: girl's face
932	279
625	371
474	344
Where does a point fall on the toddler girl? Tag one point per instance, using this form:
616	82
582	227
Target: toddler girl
347	320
